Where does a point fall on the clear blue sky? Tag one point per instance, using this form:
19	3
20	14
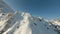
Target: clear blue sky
44	8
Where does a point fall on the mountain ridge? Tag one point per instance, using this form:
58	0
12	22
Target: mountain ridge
32	24
14	22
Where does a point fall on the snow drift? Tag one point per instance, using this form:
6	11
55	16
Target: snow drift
14	22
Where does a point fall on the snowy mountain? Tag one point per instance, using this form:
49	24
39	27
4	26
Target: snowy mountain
4	7
14	22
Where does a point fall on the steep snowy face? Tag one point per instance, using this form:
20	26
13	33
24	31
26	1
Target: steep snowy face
24	23
40	26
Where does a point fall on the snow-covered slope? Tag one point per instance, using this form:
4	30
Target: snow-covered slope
14	22
24	23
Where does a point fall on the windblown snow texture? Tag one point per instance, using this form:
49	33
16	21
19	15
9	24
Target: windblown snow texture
14	22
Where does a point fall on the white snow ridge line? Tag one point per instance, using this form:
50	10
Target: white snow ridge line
12	22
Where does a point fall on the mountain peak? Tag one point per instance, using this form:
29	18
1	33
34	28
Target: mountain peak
14	22
24	23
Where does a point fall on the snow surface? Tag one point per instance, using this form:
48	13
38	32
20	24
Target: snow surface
14	22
